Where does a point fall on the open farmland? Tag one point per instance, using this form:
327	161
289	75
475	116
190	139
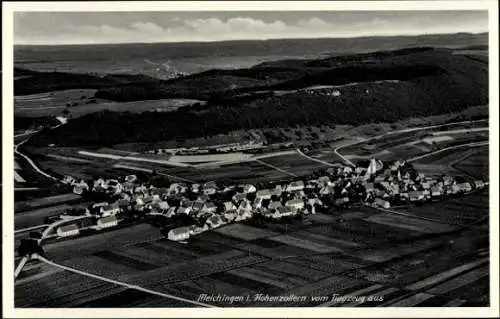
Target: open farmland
472	162
460	211
82	101
393	255
45	201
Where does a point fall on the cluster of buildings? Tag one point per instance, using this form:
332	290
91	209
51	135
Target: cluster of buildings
222	148
210	205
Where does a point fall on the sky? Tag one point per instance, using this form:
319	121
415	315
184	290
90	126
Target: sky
130	27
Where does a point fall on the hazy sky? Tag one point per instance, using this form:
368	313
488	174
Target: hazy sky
122	27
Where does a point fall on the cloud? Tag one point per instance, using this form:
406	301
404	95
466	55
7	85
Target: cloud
242	27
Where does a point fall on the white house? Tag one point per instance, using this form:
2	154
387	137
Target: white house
295	186
215	221
209	207
107	222
68	230
274	205
184	210
381	203
228	206
263	194
249	188
110	210
479	184
180	233
295	204
284	212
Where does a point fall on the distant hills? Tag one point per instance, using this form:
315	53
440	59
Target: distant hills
380	86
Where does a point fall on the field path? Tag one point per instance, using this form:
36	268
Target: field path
473	144
123	284
413	129
320	161
276	168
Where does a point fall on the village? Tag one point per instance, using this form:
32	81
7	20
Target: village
202	207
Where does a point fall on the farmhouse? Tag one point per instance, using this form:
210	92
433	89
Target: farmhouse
295	186
264	194
228	206
416	196
107	222
295	204
215	221
209	207
68	230
381	203
179	234
110	210
479	184
249	188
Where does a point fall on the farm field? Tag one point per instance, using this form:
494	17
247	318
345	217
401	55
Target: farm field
82	102
45	201
472	162
320	257
456	211
36	217
413	143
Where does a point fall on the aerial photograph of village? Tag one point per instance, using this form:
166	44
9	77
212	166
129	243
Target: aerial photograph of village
251	159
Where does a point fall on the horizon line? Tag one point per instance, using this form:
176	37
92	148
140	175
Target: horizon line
248	40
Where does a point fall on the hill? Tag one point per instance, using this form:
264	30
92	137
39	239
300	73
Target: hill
355	89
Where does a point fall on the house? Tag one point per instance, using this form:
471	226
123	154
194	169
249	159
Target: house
237	198
195	188
295	204
436	191
426	185
114	186
209	207
274	205
110	210
295	186
341	201
242	214
163	205
230	215
140	189
79	188
209	191
184	210
324	180
465	187
381	203
263	194
100	183
170	212
228	206
329	189
177	188
249	188
68	230
180	233
211	184
68	180
284	212
479	184
369	187
277	191
215	221
107	222
404	196
455	189
416	196
245	206
130	178
197	206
